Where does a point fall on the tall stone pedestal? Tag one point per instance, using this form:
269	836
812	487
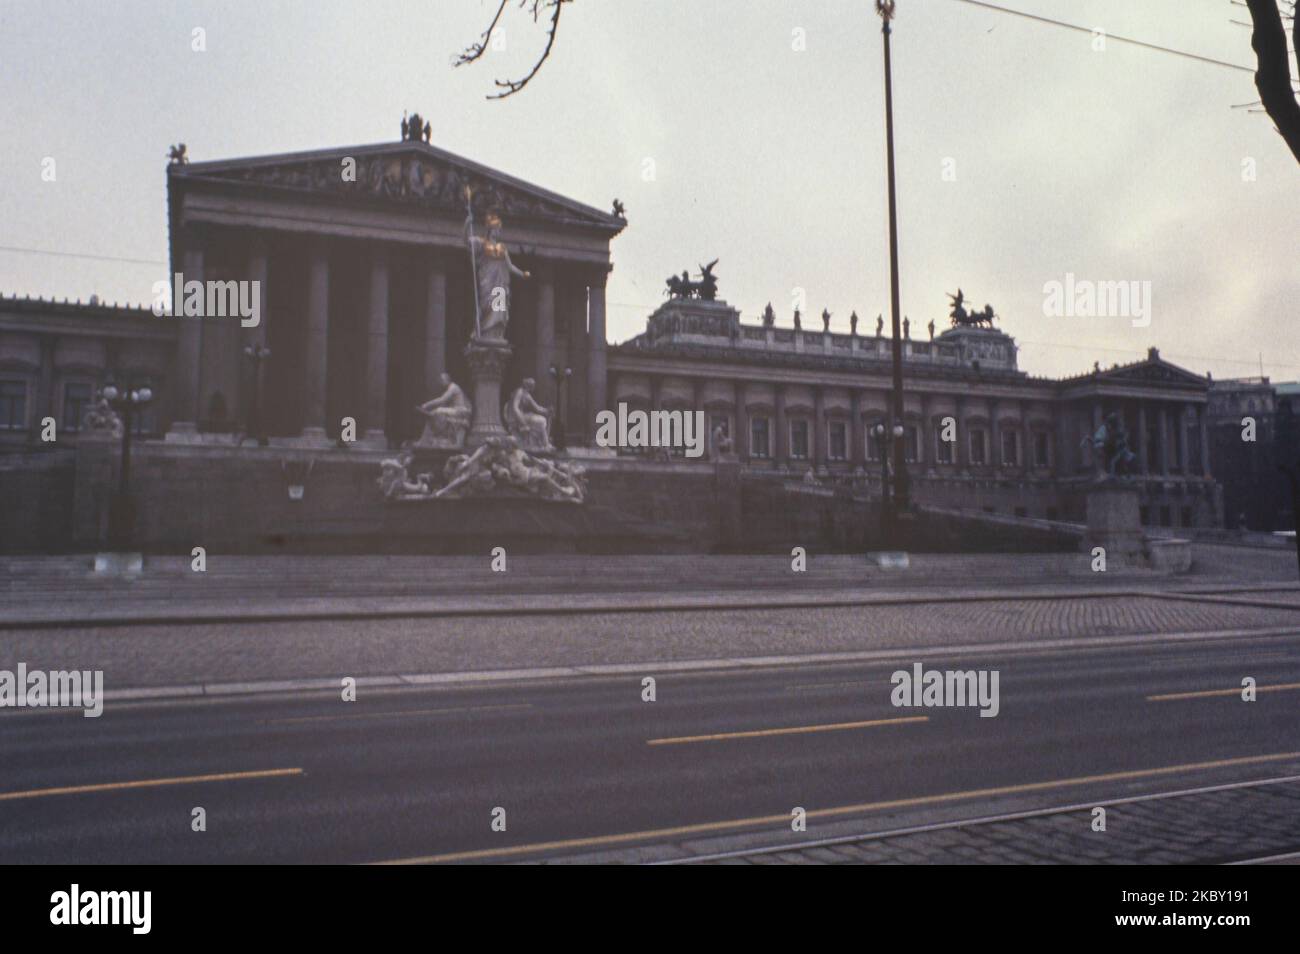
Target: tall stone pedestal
726	502
1114	524
487	362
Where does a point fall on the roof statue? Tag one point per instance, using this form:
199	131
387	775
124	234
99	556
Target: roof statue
416	128
961	318
705	289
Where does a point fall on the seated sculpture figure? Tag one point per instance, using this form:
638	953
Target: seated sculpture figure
395	483
447	417
100	416
721	442
527	421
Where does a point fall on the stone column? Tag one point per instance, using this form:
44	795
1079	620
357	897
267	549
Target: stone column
819	429
697	406
43	405
435	328
1095	457
856	448
1026	441
1184	452
377	350
656	392
1164	441
781	439
571	321
995	438
1144	456
924	452
212	342
744	431
1205	440
961	447
222	350
316	351
544	276
595	351
189	346
1062	415
258	268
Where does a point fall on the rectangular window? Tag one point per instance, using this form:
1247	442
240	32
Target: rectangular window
911	443
978	447
942	449
1042	449
1010	447
758	434
13	405
873	443
77	396
839	440
799	439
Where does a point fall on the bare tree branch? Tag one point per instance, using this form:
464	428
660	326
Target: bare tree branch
1273	71
535	8
475	50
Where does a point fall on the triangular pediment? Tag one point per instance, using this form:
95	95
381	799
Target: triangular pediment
1153	371
409	173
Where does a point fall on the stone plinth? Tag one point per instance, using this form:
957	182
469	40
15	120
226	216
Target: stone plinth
1170	555
487	362
1114	524
727	503
991	349
689	319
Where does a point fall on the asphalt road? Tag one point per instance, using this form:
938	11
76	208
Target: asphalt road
584	765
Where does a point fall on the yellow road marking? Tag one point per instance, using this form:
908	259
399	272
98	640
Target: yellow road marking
397	712
784	819
148	783
793	730
1208	693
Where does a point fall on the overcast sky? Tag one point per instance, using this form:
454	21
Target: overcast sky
1125	164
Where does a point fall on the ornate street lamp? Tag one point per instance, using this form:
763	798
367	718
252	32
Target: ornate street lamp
256	354
121	510
561	377
901	491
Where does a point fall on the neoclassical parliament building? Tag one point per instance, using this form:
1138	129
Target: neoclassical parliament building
367	297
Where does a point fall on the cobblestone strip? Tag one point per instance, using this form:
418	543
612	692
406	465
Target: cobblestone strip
1212	827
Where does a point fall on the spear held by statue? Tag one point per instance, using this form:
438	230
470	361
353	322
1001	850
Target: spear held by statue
473	264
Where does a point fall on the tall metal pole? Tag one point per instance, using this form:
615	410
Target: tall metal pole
901	495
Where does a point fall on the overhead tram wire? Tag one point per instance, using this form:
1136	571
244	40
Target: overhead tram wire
1109	36
88	256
